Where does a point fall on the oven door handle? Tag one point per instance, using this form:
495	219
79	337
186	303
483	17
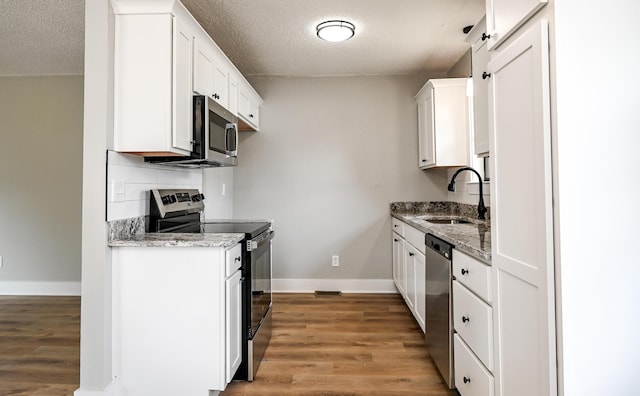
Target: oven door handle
260	240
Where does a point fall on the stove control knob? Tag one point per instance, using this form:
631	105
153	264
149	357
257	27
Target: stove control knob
166	200
197	197
172	198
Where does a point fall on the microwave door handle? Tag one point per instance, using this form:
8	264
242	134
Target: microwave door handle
231	128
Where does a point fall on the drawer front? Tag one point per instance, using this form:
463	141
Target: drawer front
472	319
415	237
472	379
473	273
233	259
397	226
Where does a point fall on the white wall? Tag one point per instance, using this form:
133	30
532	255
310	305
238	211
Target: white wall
138	177
331	155
40	184
597	138
217	187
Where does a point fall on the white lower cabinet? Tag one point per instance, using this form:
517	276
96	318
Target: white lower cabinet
472	378
398	263
174	323
409	268
474	361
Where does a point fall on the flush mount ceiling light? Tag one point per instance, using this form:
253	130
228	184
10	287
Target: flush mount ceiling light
335	31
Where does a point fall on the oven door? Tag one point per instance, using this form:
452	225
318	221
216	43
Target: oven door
259	250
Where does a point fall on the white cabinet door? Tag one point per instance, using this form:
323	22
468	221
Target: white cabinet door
248	109
221	81
415	285
410	273
479	61
505	16
202	67
233	324
521	218
182	97
233	95
398	263
420	276
426	143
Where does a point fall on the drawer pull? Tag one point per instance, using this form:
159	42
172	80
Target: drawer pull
466	380
464	271
465	319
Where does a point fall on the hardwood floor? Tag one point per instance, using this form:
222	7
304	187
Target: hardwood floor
39	345
349	345
354	344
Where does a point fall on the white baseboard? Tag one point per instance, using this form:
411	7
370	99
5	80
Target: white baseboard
343	285
9	288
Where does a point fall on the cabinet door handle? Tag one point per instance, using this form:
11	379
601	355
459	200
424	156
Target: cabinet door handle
250	115
238	258
485	36
466	379
410	254
485	75
464	271
465	319
424	160
395	240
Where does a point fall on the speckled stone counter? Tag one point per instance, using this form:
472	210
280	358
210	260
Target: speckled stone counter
131	233
473	239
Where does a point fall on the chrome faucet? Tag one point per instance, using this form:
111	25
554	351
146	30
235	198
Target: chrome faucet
452	187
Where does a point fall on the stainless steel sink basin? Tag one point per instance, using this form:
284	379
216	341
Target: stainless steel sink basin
440	219
447	221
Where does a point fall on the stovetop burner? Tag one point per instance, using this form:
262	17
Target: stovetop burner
180	210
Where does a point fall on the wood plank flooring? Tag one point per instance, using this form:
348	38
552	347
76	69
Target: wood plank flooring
39	345
354	344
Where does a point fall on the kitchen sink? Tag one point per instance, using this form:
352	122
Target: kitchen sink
447	221
444	219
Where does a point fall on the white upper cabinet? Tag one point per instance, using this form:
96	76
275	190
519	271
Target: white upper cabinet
152	85
161	58
479	59
505	16
248	108
442	123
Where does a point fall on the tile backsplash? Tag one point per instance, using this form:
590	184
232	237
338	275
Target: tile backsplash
129	180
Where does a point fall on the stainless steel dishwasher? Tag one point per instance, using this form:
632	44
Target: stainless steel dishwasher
439	324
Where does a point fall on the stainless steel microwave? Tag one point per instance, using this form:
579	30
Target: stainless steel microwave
215	137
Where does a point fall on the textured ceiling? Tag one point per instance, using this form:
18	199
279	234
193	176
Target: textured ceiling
41	37
277	37
263	37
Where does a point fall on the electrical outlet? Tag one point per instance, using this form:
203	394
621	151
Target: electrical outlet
335	261
1	262
117	191
224	189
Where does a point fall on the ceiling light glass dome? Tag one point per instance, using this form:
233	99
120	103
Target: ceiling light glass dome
335	31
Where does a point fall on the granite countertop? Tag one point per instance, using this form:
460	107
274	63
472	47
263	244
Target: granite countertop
178	240
131	233
473	238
